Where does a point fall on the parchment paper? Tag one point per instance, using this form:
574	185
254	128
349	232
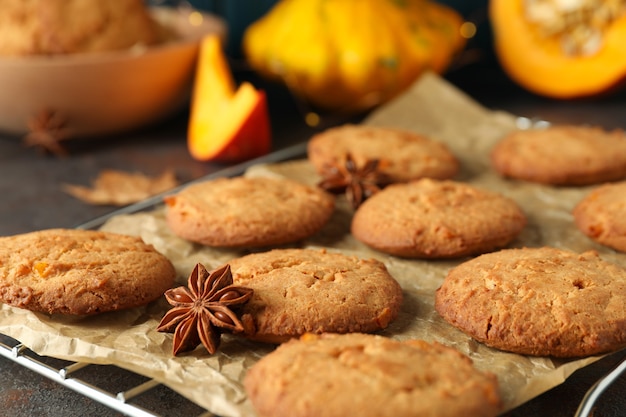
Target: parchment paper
129	340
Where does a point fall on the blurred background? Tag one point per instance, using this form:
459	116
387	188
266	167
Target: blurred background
241	13
48	101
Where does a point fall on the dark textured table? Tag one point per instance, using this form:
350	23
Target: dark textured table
32	199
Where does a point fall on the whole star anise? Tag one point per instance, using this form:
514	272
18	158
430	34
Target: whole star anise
358	183
204	310
46	131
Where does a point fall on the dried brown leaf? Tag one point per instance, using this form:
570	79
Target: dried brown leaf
120	188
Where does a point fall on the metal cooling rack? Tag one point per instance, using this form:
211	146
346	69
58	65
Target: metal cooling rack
122	401
585	409
64	372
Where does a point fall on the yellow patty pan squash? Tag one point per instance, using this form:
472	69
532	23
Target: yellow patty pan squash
351	55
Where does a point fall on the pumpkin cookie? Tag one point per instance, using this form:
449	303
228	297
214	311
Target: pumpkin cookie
562	155
601	215
304	290
50	27
538	301
403	155
378	377
248	212
73	271
437	219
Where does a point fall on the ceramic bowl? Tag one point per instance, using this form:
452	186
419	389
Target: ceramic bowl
95	94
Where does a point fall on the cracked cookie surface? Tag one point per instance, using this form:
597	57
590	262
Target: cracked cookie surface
369	376
601	215
562	155
437	219
403	155
248	212
299	291
71	271
538	301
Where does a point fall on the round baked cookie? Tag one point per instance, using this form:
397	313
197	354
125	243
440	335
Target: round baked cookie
562	155
601	215
403	155
248	212
49	27
369	376
71	271
437	219
538	301
305	290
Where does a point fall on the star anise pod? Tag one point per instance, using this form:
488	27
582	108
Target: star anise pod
357	182
46	131
203	310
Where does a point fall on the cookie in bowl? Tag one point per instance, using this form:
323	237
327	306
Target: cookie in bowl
80	272
52	27
80	69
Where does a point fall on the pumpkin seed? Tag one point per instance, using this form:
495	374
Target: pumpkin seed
578	25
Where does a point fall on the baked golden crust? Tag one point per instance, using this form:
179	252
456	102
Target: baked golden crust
538	301
72	271
437	219
248	212
562	155
369	376
601	215
50	27
299	291
403	155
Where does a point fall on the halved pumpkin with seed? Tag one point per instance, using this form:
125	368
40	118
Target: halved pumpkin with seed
561	49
